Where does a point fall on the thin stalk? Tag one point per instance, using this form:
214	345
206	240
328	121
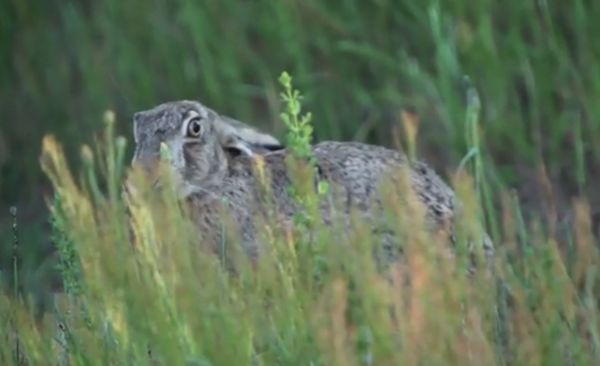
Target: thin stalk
580	166
484	197
15	254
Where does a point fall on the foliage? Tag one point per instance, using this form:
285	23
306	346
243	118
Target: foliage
68	265
301	161
299	136
365	66
359	62
154	293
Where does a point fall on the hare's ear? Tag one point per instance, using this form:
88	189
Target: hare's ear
236	147
241	139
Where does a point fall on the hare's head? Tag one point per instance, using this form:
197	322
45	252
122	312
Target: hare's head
199	142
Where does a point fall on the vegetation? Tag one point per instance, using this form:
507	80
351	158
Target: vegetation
498	96
135	294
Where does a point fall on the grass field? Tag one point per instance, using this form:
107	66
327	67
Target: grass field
506	89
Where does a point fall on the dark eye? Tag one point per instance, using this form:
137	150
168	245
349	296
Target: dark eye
194	128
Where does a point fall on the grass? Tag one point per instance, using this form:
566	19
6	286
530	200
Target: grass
136	295
358	62
530	141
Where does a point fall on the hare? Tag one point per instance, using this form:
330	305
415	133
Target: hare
213	159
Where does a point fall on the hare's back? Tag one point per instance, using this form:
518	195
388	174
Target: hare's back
362	168
357	162
359	169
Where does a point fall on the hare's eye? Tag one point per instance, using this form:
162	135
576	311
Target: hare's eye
194	128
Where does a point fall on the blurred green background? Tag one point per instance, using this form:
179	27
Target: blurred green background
535	65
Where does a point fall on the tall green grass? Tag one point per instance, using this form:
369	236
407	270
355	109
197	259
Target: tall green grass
149	292
534	63
360	63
